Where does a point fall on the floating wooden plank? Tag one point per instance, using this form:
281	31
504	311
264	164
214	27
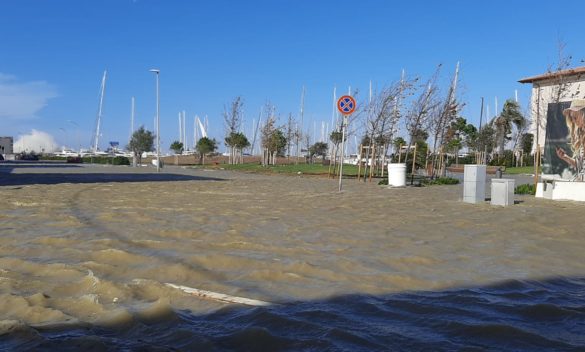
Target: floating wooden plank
221	297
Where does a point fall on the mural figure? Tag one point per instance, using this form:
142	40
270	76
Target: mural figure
575	119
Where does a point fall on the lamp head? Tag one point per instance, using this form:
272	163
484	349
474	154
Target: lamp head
155	70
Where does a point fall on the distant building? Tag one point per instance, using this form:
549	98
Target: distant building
545	89
6	145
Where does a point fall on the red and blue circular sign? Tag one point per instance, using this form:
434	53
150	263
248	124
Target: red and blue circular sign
346	105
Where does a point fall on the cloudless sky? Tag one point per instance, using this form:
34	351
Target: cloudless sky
53	54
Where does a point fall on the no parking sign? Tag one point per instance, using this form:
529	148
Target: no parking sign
346	105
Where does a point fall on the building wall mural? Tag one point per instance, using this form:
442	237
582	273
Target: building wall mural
564	149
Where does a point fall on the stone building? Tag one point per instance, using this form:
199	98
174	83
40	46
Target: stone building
6	145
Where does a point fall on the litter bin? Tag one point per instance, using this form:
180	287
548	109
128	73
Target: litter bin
396	175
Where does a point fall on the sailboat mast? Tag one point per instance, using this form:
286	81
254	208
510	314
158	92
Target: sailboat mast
496	105
99	114
132	120
180	129
302	113
184	124
256	131
334	111
194	132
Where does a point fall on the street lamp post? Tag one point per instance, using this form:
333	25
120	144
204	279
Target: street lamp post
157	71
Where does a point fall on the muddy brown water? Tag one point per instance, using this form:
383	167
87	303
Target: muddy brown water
85	250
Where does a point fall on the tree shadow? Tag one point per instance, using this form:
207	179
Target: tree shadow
14	164
29	173
515	315
56	178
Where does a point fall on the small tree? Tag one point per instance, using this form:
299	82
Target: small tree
459	134
205	146
397	143
232	116
273	138
526	143
527	140
510	116
319	149
278	143
485	140
237	142
177	147
335	137
142	141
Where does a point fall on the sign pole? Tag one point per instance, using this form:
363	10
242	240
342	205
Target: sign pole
342	149
346	105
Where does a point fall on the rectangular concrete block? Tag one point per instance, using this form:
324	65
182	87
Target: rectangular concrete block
544	189
502	192
474	173
474	183
568	190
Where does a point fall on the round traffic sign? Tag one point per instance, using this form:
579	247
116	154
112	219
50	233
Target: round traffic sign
346	105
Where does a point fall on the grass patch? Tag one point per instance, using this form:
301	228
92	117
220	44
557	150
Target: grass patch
520	170
292	169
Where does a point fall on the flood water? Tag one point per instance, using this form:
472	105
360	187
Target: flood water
85	253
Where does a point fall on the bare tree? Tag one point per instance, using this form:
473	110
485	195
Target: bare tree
421	110
383	115
273	139
446	114
560	87
560	84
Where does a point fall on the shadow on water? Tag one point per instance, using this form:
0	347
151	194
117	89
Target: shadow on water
545	315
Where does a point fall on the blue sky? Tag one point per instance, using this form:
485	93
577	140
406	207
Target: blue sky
53	54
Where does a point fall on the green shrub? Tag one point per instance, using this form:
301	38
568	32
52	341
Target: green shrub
52	157
120	160
441	181
525	189
506	159
464	160
419	181
95	160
